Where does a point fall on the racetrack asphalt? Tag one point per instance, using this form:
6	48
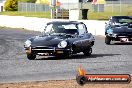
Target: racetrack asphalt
15	67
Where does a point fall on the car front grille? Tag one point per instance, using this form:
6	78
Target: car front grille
43	49
125	35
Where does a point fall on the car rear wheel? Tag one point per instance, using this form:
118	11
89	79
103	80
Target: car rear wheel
107	40
87	52
31	57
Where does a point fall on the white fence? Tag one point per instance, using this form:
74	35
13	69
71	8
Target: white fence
37	24
32	7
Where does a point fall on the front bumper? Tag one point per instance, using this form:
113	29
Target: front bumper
47	51
118	37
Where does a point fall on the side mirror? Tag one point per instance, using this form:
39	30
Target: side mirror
86	32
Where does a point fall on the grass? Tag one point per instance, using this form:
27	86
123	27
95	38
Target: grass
27	14
108	12
104	16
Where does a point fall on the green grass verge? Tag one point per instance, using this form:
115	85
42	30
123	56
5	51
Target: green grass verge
104	16
29	14
115	10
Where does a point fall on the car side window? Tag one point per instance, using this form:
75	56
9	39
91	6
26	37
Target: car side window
81	29
49	28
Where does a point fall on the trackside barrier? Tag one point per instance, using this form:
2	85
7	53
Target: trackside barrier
37	24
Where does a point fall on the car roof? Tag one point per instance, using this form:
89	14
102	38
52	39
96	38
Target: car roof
122	17
65	22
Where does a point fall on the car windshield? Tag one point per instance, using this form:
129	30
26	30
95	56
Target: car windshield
122	20
67	28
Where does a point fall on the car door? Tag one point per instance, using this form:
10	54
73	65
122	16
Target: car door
84	40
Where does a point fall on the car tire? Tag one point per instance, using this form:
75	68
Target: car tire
31	57
107	40
87	52
66	55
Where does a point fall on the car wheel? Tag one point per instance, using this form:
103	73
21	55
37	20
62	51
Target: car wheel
87	52
31	57
66	55
107	40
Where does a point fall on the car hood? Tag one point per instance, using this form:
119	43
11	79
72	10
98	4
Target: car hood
124	29
46	40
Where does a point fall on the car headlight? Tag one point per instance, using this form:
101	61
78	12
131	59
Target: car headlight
27	43
62	44
110	31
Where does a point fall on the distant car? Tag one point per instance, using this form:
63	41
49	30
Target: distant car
119	28
60	39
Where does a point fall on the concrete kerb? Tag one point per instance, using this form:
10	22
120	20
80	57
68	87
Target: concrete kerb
37	24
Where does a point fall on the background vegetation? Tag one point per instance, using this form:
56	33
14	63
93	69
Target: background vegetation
29	14
11	5
110	10
32	1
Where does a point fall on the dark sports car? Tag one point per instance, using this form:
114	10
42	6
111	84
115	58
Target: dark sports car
119	28
60	39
